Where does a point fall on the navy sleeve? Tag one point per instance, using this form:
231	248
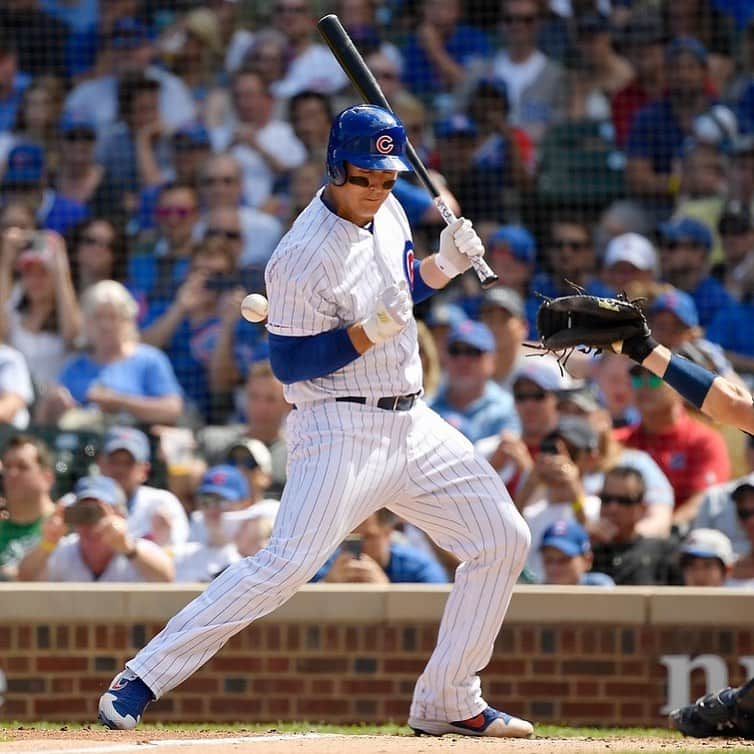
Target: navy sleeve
420	290
294	359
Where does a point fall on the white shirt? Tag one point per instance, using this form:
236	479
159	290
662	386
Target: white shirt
328	273
15	378
197	562
316	68
66	564
518	76
146	501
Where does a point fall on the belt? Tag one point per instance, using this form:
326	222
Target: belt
388	403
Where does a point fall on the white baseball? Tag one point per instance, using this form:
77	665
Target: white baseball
254	307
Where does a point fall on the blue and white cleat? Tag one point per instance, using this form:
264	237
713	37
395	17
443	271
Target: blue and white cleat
123	704
489	722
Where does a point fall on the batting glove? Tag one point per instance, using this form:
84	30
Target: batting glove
391	315
459	242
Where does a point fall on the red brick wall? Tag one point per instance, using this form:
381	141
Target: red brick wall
579	674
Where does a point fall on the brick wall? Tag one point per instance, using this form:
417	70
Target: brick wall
347	670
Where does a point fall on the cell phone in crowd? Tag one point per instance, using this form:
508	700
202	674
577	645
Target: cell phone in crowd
36	241
352	545
550	445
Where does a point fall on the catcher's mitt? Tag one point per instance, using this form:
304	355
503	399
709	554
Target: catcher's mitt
728	713
582	320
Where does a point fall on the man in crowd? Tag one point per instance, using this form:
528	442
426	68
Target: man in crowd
630	258
706	558
567	556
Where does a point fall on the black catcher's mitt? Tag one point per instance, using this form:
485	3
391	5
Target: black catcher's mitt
728	713
582	320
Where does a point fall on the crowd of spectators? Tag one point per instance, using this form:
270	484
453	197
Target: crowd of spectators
154	152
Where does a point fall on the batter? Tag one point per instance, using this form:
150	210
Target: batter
341	286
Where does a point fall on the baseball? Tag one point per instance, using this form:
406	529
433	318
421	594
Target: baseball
254	307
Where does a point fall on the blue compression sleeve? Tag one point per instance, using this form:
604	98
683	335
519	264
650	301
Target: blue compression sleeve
690	380
421	290
304	358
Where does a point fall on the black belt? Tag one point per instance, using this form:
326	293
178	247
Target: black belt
388	403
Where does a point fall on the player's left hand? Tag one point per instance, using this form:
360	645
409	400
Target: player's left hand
459	242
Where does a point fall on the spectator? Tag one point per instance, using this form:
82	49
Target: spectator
470	400
567	556
659	130
703	180
630	258
553	488
387	70
98	252
252	457
13	82
621	216
25	180
235	38
17	214
266	410
743	568
620	551
691	454
118	377
719	509
38	38
189	328
362	20
311	114
642	44
611	375
736	229
256	529
101	547
28	476
130	51
536	85
598	72
153	513
502	310
41	316
706	558
381	560
441	319
438	55
685	244
265	147
267	54
741	170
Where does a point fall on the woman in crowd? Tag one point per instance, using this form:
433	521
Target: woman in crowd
98	252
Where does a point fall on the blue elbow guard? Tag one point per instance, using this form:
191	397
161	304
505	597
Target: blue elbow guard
294	359
421	291
690	380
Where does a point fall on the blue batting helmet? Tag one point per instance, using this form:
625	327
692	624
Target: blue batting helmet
369	137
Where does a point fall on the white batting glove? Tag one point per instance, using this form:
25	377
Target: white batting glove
459	242
391	315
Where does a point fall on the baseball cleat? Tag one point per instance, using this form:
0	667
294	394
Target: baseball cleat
123	704
489	722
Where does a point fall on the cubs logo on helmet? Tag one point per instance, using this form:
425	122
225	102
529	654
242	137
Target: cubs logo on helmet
384	144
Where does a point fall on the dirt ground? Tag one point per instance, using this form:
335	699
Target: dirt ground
99	741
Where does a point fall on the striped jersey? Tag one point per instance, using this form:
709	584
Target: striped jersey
328	273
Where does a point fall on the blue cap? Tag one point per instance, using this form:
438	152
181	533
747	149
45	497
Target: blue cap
127	438
194	133
101	488
226	481
567	536
678	303
25	164
128	33
72	120
593	23
686	229
445	314
690	45
517	240
458	124
474	334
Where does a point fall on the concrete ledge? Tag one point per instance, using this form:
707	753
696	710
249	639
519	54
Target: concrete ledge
397	603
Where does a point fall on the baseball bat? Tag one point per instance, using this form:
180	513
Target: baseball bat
356	69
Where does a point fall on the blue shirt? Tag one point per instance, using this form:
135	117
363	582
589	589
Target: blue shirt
9	106
463	45
407	565
656	135
732	328
710	297
154	281
61	214
415	200
745	109
488	415
595	578
146	373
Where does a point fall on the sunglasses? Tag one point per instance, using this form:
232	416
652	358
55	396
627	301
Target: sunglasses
606	498
745	513
361	181
458	349
80	134
94	241
565	243
226	180
175	211
523	397
651	381
229	235
247	463
213	500
519	19
389	75
673	245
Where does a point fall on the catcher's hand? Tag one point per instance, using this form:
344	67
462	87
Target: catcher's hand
729	713
600	323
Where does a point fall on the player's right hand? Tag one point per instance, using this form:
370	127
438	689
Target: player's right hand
391	315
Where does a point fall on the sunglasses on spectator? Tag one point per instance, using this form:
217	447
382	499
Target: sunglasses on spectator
607	498
94	241
672	245
360	180
226	180
228	235
745	513
523	397
213	500
734	228
459	349
389	75
175	211
651	381
519	18
80	134
244	462
569	243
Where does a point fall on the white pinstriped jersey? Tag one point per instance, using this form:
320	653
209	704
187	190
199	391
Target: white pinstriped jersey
327	273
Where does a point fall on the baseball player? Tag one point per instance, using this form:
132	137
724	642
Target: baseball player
341	286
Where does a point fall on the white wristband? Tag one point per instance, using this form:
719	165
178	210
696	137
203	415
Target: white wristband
446	266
